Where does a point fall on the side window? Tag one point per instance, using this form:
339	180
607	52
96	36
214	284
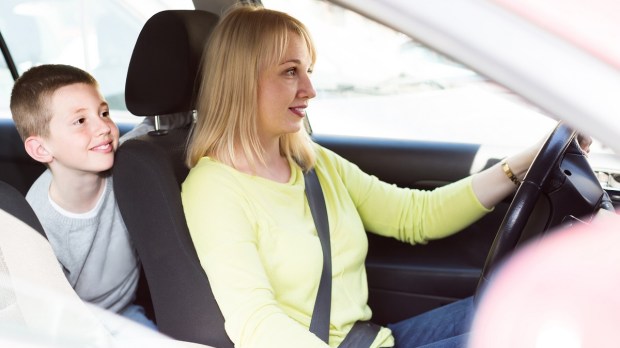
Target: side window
97	36
374	81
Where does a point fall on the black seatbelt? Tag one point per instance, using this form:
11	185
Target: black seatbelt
319	324
363	333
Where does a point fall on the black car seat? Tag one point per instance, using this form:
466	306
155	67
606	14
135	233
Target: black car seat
13	202
149	169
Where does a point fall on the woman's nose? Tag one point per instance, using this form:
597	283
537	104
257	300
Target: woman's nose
306	89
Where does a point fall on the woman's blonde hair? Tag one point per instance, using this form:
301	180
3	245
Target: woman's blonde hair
247	40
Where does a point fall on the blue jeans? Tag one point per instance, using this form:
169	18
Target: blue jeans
444	327
137	314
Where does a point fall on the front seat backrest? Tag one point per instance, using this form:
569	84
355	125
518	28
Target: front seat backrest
149	169
13	202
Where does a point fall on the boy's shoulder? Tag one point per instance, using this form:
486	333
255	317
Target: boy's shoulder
38	198
39	189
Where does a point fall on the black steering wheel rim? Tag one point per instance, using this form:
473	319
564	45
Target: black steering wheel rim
522	206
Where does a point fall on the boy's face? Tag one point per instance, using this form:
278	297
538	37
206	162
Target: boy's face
82	135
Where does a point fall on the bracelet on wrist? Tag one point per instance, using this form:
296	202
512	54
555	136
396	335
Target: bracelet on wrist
509	172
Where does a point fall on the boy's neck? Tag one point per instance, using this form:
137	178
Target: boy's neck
77	194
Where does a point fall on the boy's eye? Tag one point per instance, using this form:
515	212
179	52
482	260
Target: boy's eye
79	121
105	114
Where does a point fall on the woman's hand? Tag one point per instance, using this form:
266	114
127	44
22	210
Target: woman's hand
495	183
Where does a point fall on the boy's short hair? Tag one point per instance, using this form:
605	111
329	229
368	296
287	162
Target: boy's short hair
32	93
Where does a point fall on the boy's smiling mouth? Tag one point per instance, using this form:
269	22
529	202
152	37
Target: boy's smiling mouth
103	147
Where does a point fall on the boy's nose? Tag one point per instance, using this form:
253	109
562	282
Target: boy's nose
102	127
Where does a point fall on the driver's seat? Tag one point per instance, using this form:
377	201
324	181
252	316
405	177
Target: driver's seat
148	170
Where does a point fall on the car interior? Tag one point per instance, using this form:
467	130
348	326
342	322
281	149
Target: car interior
178	286
404	280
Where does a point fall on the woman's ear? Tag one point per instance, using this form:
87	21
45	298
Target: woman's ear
35	147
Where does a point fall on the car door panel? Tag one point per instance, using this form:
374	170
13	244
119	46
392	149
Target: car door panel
404	279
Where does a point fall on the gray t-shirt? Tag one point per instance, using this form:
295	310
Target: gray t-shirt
94	248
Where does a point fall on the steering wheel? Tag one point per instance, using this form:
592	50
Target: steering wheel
561	186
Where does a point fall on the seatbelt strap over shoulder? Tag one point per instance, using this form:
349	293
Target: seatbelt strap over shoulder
319	324
363	333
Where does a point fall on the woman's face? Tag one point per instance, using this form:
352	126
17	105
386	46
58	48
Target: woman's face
284	91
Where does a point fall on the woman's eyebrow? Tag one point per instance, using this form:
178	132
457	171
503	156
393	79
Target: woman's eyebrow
292	60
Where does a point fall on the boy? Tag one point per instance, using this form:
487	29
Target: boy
65	124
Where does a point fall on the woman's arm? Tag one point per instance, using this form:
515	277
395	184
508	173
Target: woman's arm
416	216
409	215
494	184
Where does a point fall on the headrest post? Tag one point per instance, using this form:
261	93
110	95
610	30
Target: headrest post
157	123
158	131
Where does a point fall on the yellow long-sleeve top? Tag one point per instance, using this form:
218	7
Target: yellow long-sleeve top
257	242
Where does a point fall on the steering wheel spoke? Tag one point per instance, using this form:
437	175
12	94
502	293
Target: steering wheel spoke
559	184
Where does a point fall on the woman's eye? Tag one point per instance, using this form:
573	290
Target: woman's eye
291	71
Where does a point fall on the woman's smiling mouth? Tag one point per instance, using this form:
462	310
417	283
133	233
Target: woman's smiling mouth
299	111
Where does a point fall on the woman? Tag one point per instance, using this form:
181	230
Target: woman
247	212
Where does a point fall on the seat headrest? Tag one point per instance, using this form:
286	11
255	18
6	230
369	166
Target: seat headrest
164	69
